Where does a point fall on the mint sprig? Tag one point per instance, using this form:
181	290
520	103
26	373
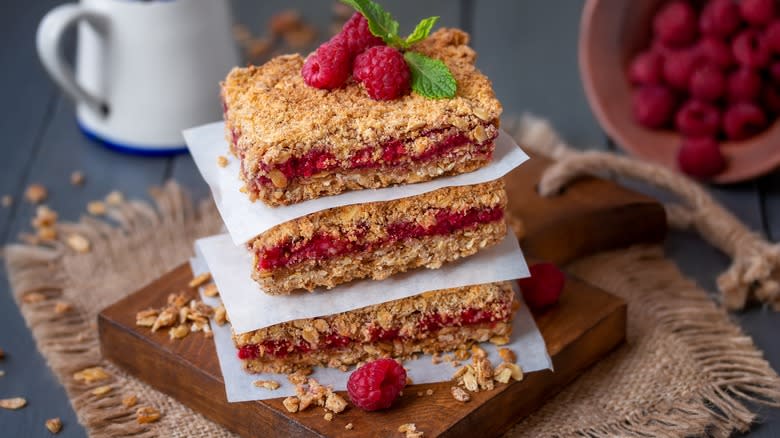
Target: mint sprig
431	78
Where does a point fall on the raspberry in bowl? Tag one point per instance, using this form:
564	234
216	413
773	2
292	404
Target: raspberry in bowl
719	68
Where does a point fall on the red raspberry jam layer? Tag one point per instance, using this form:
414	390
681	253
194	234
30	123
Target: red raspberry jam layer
323	246
426	324
391	154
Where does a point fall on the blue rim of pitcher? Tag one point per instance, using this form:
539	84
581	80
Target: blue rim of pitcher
143	151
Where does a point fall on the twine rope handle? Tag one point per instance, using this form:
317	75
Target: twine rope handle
754	273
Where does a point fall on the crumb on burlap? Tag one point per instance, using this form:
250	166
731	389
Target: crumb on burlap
102	390
91	375
96	208
115	198
78	243
147	414
130	401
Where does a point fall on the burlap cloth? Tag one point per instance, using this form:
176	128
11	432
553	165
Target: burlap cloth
685	370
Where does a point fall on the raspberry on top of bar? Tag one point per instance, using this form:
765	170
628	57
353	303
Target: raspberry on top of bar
296	142
433	322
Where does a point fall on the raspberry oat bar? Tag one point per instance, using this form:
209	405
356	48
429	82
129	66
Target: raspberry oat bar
296	142
433	322
378	239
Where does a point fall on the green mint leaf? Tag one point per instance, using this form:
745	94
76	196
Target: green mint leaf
430	77
422	31
380	22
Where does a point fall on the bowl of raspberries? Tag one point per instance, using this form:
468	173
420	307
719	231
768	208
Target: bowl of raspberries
691	84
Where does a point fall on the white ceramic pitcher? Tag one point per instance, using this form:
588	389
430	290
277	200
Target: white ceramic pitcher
144	70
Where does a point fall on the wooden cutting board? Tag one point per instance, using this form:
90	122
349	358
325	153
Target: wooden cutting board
592	215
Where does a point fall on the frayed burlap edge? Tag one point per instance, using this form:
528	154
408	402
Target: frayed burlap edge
144	243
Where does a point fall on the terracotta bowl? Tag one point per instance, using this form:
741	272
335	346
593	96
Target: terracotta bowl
611	32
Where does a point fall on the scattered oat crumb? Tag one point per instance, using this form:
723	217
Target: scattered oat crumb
291	404
62	307
200	279
78	243
459	394
147	414
220	315
499	340
102	390
410	430
222	161
328	416
179	332
33	297
36	193
299	377
77	178
429	392
284	21
210	290
13	403
7	200
507	370
258	47
507	355
96	208
115	198
130	401
349	426
270	385
93	374
419	393
54	425
335	403
2	373
44	217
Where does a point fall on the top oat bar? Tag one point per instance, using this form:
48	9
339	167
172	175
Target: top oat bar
296	142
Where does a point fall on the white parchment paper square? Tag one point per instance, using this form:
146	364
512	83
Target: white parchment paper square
526	342
251	309
245	219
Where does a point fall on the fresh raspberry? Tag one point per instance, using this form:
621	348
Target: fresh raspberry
356	35
743	120
383	71
653	106
751	49
543	288
675	23
774	72
715	51
328	67
770	97
696	119
700	157
772	36
744	85
376	384
757	12
708	83
647	68
679	66
720	18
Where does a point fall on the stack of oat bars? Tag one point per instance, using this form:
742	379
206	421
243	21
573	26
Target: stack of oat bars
292	144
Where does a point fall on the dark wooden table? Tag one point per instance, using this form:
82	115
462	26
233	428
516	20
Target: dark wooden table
528	49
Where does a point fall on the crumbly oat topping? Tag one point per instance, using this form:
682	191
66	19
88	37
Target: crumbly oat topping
77	178
36	193
270	385
91	375
335	403
54	425
277	114
13	403
147	414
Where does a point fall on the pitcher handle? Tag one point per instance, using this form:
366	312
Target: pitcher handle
48	43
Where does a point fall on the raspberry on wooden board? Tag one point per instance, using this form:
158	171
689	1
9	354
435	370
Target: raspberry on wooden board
377	384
